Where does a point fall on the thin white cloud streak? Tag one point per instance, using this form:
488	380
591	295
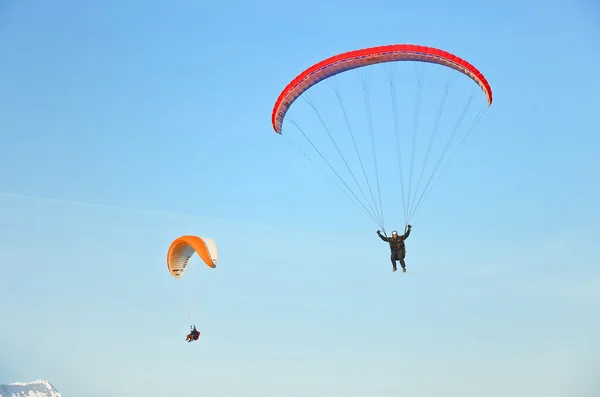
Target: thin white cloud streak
109	207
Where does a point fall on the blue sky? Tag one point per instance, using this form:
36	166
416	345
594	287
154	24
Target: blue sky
158	114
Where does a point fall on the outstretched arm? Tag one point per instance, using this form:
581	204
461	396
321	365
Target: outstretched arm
405	236
381	236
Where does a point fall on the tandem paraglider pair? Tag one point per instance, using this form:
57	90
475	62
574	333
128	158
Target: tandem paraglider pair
193	335
179	255
397	247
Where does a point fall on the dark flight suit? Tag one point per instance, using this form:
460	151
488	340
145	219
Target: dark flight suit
397	247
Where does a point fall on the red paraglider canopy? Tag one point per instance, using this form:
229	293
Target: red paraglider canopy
369	56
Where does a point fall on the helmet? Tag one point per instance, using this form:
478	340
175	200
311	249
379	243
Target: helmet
394	232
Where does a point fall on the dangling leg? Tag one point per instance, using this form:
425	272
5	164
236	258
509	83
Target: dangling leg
401	256
394	258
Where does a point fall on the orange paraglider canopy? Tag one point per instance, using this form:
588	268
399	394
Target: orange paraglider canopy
184	247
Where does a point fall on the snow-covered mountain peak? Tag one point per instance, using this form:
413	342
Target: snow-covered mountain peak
38	388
